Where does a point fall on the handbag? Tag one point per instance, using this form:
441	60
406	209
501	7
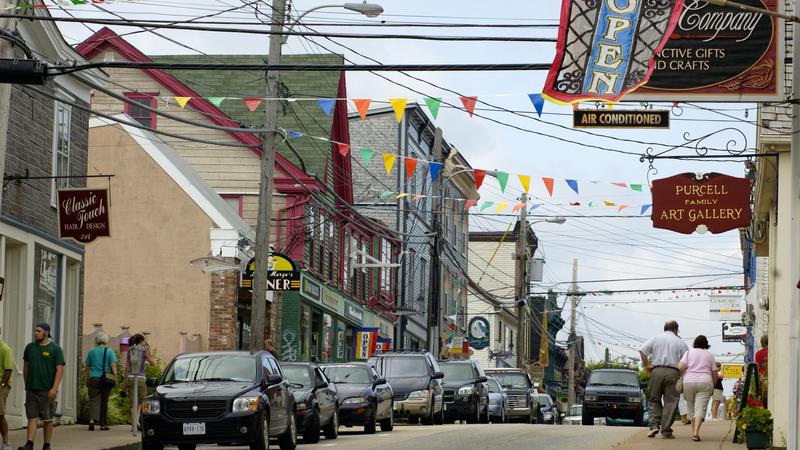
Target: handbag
679	385
106	382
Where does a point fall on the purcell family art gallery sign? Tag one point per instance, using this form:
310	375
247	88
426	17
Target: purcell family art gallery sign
691	202
83	214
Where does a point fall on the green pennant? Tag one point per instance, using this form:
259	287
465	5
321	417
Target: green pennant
216	101
486	205
502	177
366	155
385	194
636	187
78	2
433	105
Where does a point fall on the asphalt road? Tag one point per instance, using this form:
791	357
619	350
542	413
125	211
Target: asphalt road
477	436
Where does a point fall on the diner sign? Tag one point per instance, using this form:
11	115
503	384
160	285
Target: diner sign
689	202
83	214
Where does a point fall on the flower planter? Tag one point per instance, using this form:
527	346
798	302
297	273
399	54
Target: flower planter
756	439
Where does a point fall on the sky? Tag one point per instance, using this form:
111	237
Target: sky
609	248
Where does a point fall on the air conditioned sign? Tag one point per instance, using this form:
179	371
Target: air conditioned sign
83	214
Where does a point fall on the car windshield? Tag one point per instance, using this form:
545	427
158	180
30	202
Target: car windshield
297	374
494	386
458	372
575	410
614	378
347	374
212	368
403	366
511	380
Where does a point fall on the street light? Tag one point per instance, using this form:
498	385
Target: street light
370	10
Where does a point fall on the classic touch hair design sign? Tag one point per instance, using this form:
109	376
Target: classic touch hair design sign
691	202
719	53
83	214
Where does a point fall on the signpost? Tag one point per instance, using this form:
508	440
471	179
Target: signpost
83	214
591	118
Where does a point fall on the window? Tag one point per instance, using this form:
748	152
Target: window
330	249
47	290
139	114
311	231
386	259
62	124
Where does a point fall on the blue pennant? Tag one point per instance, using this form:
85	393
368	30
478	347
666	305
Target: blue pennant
327	105
294	134
574	185
538	102
645	208
434	168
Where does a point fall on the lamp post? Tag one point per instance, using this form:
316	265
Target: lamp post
258	303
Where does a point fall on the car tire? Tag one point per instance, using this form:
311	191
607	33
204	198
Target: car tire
475	418
369	427
439	418
587	419
387	424
263	442
152	446
430	418
331	429
311	431
485	417
288	440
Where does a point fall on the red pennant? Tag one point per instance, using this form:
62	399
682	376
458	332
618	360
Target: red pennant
411	165
548	183
344	149
452	326
252	103
479	175
575	203
469	103
622	185
362	105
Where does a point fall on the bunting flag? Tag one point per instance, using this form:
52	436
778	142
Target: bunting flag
574	203
469	204
252	103
399	196
644	209
517	207
538	103
388	162
525	181
479	176
622	185
636	187
182	101
548	183
433	105
486	205
573	184
535	205
607	49
501	207
294	134
344	149
469	103
418	197
326	104
609	203
411	166
434	168
385	194
590	204
621	207
216	101
366	155
362	106
502	178
399	106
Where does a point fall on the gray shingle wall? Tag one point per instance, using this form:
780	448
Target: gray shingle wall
775	120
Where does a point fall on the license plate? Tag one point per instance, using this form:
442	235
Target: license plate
194	428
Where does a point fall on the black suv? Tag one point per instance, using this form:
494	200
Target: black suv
220	398
613	393
466	394
417	384
316	399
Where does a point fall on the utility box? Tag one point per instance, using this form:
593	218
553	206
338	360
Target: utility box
536	270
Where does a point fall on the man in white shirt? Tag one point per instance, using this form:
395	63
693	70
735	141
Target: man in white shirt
660	357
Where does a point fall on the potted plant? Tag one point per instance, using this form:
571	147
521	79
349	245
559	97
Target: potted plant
756	423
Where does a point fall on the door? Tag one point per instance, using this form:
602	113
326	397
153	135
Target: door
276	393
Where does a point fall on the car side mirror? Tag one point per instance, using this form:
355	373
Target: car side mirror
482	380
438	375
152	382
379	381
274	379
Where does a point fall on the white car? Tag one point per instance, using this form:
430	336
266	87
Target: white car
574	416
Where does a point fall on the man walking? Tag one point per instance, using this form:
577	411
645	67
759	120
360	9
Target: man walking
42	372
660	357
7	367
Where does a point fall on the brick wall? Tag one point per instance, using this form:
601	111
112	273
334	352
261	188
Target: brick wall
222	315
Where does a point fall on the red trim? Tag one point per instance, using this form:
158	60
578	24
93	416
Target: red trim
239	197
143	96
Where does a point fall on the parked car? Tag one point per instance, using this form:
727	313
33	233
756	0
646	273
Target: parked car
466	395
614	394
220	398
317	408
498	401
574	416
416	382
365	398
522	400
548	412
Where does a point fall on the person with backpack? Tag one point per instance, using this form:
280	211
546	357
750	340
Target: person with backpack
101	377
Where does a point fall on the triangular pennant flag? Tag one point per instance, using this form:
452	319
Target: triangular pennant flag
434	168
411	166
590	204
622	185
344	149
576	105
385	194
535	205
501	207
644	209
636	187
502	178
621	207
433	105
326	104
399	196
470	203
538	102
609	105
573	184
479	175
418	197
388	162
362	105
517	207
486	205
399	106
525	181
294	134
609	203
366	155
548	183
182	101
252	103
469	103
216	101
574	203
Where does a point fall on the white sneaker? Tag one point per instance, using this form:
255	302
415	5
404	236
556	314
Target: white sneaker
5	446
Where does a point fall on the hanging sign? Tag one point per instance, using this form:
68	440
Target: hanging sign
720	53
734	332
725	308
478	333
83	214
690	202
366	341
282	273
734	371
589	118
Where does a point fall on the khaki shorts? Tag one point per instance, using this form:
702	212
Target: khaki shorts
4	390
39	406
142	388
717	396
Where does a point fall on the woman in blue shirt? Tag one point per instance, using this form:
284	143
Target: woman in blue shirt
98	393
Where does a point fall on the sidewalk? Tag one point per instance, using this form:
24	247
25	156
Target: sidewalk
717	435
77	437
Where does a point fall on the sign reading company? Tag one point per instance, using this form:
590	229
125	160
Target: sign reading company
282	273
701	202
588	118
83	214
733	332
478	333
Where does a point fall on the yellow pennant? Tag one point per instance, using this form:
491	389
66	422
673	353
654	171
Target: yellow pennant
399	196
182	101
388	162
525	180
399	105
609	203
501	207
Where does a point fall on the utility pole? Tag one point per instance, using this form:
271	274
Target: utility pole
523	284
263	227
573	296
793	441
6	52
434	305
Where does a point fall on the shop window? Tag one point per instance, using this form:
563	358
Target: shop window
62	136
134	109
47	290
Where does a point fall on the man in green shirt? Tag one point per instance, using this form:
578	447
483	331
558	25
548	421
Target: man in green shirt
7	368
44	367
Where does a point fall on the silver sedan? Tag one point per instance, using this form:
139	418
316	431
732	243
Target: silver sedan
498	401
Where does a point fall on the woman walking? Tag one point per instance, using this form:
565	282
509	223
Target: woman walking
101	375
699	377
717	398
138	356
